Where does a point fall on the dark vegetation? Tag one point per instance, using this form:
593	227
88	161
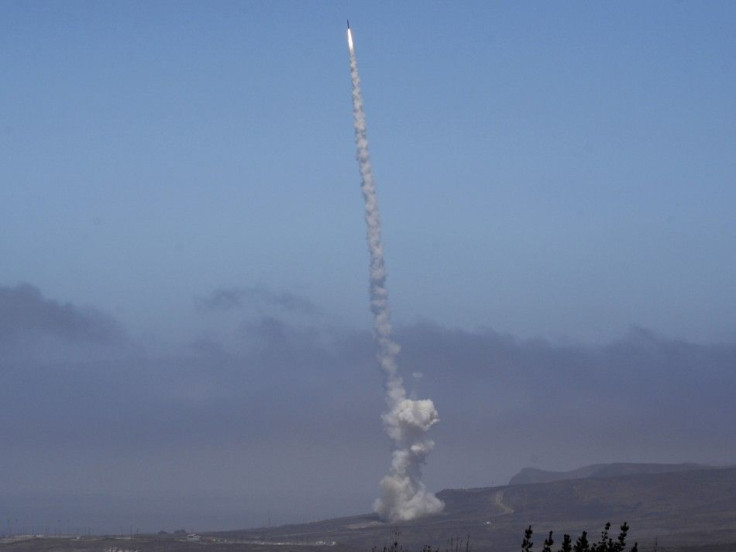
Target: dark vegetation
606	543
582	544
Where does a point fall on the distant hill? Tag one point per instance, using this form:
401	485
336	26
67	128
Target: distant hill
532	475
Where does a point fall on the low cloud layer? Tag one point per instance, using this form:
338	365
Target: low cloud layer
297	408
255	298
25	312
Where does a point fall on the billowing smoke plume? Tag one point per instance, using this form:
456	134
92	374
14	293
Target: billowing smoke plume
407	421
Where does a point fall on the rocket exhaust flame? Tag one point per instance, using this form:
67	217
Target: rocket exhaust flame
406	420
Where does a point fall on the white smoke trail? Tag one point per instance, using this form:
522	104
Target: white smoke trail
407	421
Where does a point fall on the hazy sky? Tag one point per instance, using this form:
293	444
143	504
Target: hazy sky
183	268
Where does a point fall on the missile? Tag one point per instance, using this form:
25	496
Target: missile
350	37
348	24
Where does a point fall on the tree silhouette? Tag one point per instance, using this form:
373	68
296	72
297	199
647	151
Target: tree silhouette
582	544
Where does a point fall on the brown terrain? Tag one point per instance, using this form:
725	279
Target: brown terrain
676	508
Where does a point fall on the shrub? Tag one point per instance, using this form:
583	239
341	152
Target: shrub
605	544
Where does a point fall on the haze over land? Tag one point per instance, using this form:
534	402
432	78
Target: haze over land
269	421
183	291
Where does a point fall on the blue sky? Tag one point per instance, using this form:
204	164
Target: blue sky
556	181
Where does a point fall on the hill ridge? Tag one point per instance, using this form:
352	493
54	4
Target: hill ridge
614	469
